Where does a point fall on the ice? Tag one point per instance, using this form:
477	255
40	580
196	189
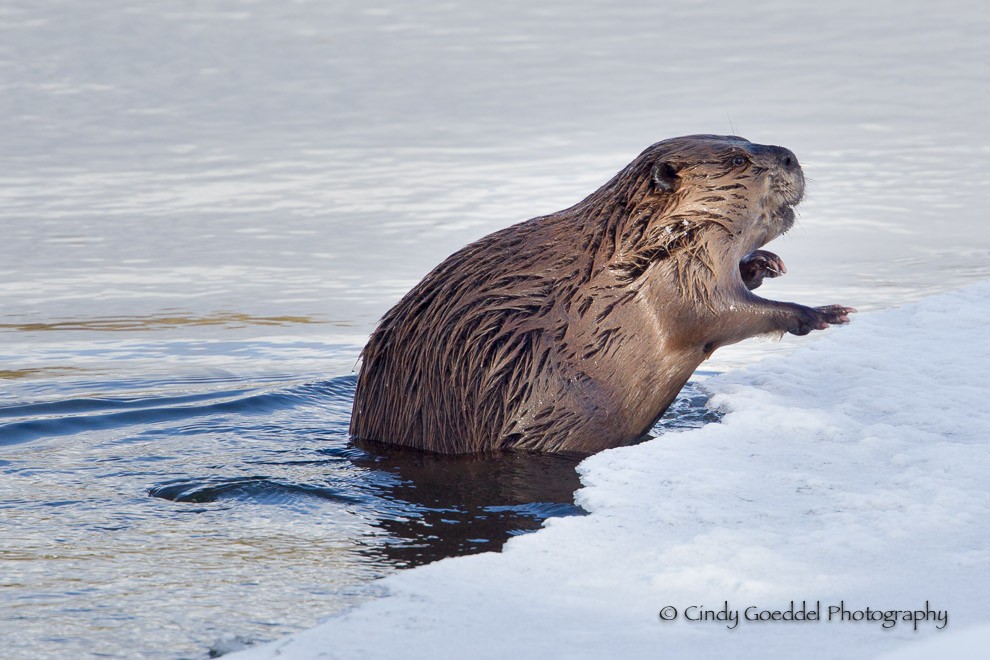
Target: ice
851	474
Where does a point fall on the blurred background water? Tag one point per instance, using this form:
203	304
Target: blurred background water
205	207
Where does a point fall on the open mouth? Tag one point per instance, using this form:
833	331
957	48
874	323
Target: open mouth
760	264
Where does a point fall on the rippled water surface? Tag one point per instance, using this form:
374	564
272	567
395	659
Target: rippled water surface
205	207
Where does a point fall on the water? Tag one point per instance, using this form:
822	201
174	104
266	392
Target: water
205	207
151	523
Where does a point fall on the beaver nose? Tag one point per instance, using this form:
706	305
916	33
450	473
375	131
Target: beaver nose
787	160
777	158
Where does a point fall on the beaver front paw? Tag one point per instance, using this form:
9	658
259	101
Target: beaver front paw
819	318
759	264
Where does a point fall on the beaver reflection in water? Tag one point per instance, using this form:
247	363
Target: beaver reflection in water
575	331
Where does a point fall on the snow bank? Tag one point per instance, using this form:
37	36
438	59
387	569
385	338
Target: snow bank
850	474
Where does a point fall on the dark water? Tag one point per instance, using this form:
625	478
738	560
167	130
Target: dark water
163	518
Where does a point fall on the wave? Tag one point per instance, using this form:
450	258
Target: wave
69	416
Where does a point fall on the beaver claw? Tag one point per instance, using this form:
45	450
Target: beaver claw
819	318
759	264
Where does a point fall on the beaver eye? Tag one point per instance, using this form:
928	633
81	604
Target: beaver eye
738	160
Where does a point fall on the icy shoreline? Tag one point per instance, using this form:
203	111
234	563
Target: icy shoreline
852	471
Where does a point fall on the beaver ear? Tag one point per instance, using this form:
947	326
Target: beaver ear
665	177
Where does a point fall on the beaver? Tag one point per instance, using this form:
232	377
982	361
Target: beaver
573	332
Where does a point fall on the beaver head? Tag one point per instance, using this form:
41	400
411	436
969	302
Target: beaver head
703	201
716	173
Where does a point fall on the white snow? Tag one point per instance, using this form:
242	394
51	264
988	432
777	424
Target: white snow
853	472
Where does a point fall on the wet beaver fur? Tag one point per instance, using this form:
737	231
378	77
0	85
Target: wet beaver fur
575	331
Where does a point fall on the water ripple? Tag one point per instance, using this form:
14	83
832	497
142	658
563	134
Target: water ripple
258	489
47	420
